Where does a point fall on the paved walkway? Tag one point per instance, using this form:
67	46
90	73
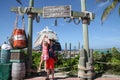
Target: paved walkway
70	78
63	76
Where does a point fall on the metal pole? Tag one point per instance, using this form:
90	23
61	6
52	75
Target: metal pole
30	30
85	30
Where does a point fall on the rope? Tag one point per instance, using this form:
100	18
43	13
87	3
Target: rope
16	22
37	18
74	20
86	75
26	9
86	69
70	19
23	23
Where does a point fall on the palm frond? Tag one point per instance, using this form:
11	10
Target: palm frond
119	11
102	0
19	1
108	10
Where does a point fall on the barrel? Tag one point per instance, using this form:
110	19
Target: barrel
5	71
5	56
18	71
19	38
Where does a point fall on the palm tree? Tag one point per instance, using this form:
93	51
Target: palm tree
19	1
109	8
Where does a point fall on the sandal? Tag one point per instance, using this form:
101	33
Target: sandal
39	70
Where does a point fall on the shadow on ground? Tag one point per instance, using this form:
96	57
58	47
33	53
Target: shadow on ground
36	74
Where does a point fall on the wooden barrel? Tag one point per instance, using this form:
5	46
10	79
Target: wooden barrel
19	38
5	56
18	71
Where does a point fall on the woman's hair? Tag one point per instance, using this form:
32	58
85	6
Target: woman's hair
45	42
52	40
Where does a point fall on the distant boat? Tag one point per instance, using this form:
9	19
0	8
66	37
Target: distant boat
51	35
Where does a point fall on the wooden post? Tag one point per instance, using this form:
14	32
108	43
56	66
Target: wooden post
30	32
65	48
79	46
70	49
87	67
90	65
81	65
85	29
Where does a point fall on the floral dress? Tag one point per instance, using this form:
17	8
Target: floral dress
45	55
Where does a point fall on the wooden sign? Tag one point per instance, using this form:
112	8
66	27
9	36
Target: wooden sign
56	11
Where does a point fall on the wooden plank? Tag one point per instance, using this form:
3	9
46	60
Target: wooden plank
40	11
77	14
103	63
32	10
74	14
56	11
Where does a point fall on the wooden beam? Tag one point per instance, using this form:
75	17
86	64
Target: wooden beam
74	14
40	11
77	14
31	10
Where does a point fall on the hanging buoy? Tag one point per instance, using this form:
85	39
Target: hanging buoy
19	38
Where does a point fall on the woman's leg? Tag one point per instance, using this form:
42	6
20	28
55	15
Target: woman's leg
39	68
45	66
52	71
48	73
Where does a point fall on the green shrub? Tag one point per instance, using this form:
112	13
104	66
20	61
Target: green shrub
35	59
111	61
70	64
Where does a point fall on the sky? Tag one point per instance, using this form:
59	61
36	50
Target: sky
106	35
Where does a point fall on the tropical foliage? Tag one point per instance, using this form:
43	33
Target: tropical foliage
108	63
108	9
66	62
36	59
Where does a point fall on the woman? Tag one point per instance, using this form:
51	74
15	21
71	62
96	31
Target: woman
50	62
44	55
